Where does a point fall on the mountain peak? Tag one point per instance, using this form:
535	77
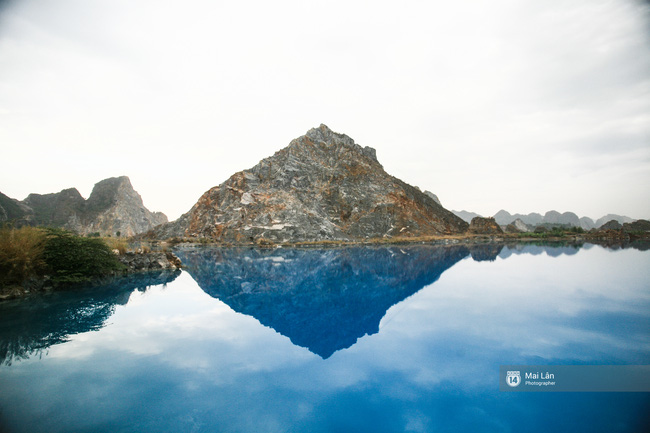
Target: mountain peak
113	206
323	134
322	186
107	192
114	182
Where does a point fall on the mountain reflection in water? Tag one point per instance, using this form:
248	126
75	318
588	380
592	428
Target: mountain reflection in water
326	299
176	359
31	325
321	299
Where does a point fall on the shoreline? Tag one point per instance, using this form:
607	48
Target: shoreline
161	259
604	239
135	264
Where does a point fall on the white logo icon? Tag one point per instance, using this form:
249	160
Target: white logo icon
513	378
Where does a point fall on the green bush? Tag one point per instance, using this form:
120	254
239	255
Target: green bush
75	259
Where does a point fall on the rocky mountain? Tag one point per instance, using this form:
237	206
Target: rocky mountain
611	225
484	226
620	218
322	186
434	197
637	226
518	226
113	207
587	223
555	218
59	209
11	209
566	218
504	218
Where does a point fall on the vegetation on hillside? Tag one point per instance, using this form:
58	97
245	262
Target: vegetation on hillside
554	232
30	253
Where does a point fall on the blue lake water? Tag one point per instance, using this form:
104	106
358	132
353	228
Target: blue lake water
396	339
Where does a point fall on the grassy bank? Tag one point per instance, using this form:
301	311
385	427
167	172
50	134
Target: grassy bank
30	256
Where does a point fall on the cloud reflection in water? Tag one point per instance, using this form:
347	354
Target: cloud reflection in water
368	339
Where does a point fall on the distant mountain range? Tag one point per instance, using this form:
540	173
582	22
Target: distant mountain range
552	217
113	207
321	187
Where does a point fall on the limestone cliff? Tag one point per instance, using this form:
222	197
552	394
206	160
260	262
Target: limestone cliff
517	226
322	186
484	226
113	206
59	209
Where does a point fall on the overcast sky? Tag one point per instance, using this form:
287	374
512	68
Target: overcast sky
524	105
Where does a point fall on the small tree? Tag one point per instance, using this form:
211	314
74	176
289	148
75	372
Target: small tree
74	259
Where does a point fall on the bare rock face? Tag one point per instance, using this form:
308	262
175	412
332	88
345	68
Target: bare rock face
484	226
323	186
433	196
517	226
143	262
113	207
60	209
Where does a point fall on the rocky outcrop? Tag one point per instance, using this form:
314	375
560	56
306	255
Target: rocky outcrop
60	209
113	208
153	261
637	226
434	197
484	226
323	186
611	225
517	226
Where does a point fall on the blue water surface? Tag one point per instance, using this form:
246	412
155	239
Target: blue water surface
366	339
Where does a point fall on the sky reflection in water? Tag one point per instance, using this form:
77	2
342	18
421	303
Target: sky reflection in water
361	339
